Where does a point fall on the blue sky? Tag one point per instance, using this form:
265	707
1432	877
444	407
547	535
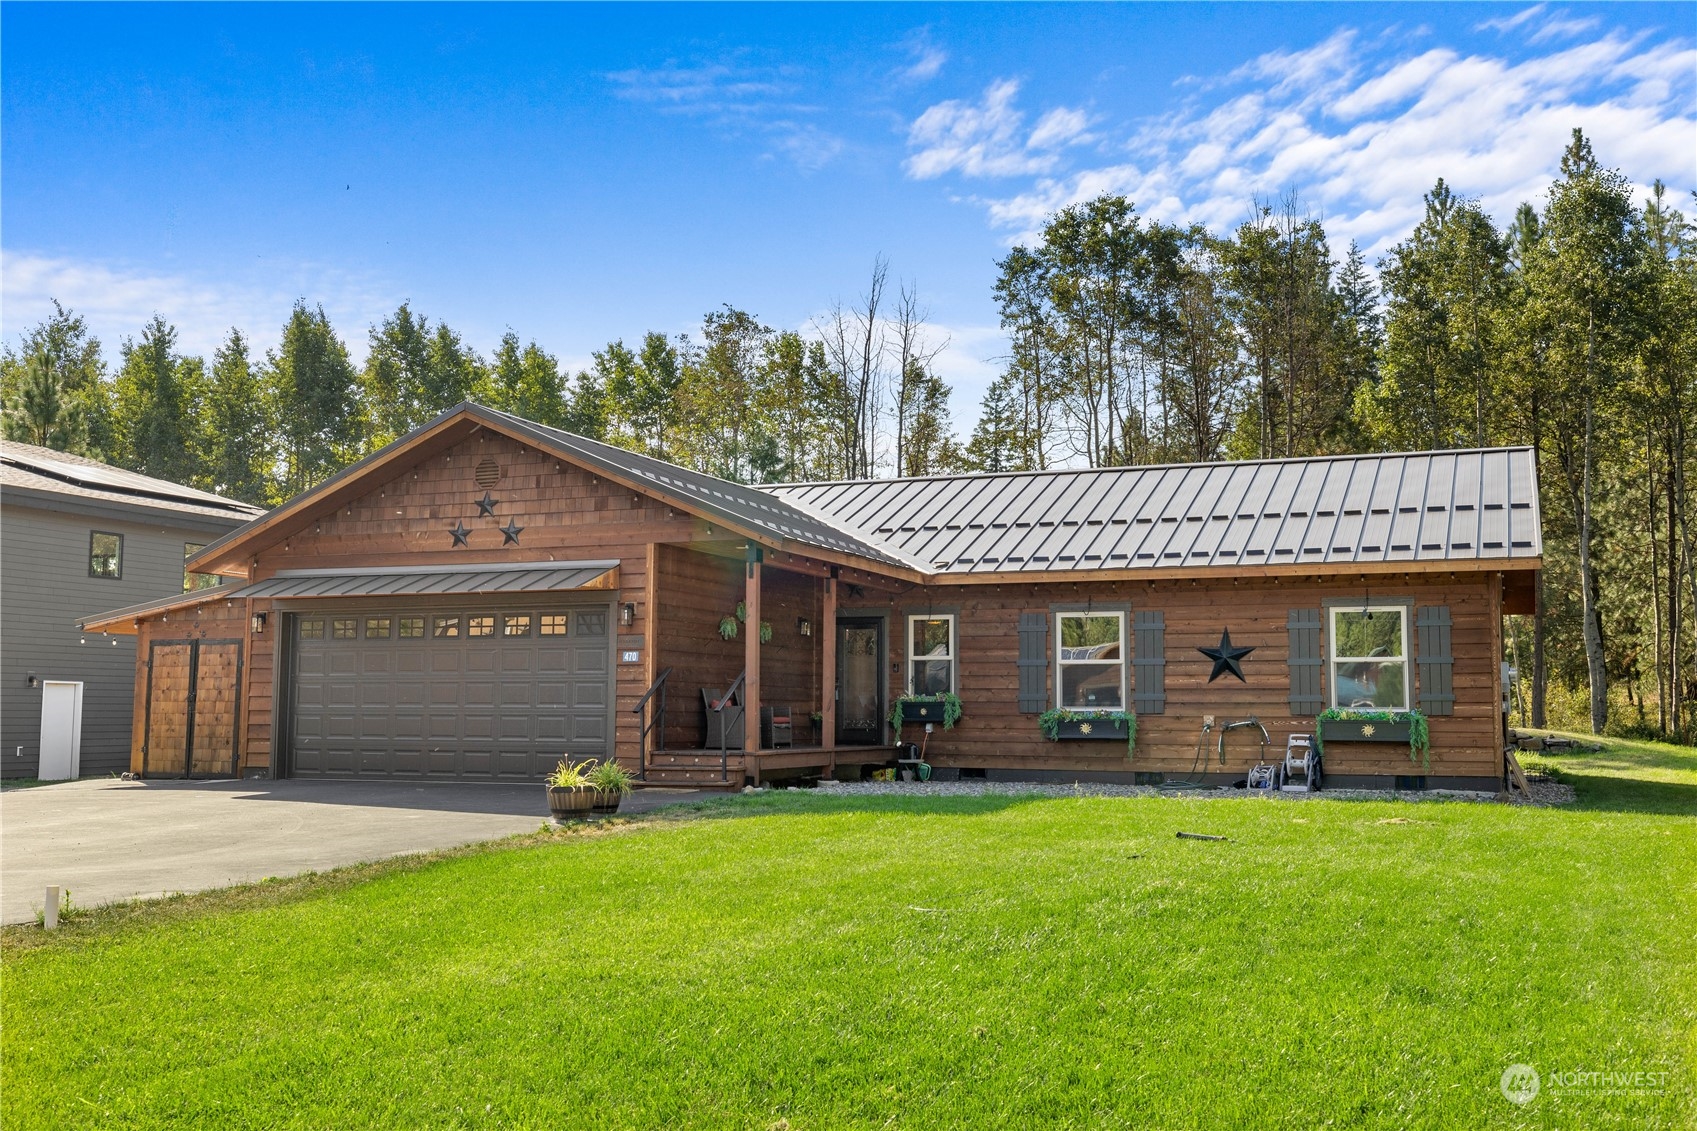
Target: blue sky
582	173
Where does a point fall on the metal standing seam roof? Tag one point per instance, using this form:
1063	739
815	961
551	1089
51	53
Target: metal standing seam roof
28	467
513	577
1448	506
503	577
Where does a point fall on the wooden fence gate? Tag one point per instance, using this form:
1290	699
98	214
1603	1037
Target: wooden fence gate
193	708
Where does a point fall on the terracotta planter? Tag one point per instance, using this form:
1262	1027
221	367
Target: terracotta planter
1367	730
1088	729
570	804
606	802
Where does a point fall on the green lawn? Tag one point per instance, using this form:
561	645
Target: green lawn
836	962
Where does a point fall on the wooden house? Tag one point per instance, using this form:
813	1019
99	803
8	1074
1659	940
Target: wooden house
487	595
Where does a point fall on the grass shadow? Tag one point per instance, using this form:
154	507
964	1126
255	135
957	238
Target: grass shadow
1624	776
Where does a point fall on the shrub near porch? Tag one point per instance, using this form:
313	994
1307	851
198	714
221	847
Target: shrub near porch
907	962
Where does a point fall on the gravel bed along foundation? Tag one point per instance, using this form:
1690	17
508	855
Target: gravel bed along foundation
1543	792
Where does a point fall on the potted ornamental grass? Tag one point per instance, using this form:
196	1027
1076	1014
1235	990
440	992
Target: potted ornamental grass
571	797
611	783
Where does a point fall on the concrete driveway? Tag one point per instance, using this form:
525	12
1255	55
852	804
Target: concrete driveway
109	840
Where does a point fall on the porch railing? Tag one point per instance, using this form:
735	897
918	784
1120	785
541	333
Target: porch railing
652	723
719	707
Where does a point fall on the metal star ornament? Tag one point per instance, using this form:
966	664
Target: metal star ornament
486	506
460	534
1226	658
511	532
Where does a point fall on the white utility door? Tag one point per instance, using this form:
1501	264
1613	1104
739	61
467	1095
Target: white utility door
61	730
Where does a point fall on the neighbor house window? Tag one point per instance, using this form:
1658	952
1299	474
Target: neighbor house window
1369	657
930	654
105	555
1090	665
192	580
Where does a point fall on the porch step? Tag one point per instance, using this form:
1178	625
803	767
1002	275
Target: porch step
703	777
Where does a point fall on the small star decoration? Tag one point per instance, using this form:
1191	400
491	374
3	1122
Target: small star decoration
511	531
486	506
1226	658
460	534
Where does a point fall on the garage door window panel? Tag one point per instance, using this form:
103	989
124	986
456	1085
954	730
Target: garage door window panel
412	628
446	627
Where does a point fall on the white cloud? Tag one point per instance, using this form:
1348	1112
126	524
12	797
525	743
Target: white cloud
740	99
1509	23
117	301
927	58
1360	128
987	138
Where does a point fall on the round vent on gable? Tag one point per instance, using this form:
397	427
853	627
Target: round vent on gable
488	473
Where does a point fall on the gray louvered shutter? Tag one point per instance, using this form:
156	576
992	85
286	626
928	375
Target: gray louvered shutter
1307	695
1033	662
1432	644
1149	663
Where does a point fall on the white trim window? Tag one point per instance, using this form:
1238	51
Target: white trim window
1367	657
1090	671
931	654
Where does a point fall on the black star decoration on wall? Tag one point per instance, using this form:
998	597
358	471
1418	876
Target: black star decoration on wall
511	531
460	534
1226	658
486	506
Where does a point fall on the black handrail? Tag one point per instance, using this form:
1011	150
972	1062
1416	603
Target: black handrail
719	706
654	722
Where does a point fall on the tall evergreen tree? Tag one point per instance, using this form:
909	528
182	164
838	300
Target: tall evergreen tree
234	428
81	399
311	382
153	392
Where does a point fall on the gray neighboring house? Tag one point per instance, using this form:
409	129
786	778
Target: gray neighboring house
76	537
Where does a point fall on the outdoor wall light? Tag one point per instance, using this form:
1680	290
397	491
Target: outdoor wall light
627	614
804	626
32	680
258	623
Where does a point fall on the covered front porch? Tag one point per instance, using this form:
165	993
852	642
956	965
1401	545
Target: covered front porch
756	666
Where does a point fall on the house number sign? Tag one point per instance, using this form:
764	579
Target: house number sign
629	657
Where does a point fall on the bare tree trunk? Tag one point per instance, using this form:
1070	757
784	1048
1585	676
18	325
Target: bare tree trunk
1655	581
1592	621
1540	673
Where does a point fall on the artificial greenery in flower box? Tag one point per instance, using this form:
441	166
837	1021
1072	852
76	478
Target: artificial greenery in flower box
944	708
1419	739
1061	723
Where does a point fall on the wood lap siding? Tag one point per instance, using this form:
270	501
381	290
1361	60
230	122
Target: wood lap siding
695	590
996	731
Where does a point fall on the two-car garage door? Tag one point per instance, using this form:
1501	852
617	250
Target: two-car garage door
466	693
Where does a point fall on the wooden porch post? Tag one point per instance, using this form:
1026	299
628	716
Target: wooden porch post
751	651
828	664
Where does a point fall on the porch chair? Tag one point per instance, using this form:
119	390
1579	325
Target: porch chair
727	722
775	728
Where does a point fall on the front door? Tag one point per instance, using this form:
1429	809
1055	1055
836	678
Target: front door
860	681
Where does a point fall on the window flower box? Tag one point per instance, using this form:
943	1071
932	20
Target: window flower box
1073	726
944	709
1405	727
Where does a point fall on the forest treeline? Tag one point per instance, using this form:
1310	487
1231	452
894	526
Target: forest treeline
1572	330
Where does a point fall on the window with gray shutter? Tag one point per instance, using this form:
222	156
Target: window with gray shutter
1033	662
1307	694
1432	640
1149	663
